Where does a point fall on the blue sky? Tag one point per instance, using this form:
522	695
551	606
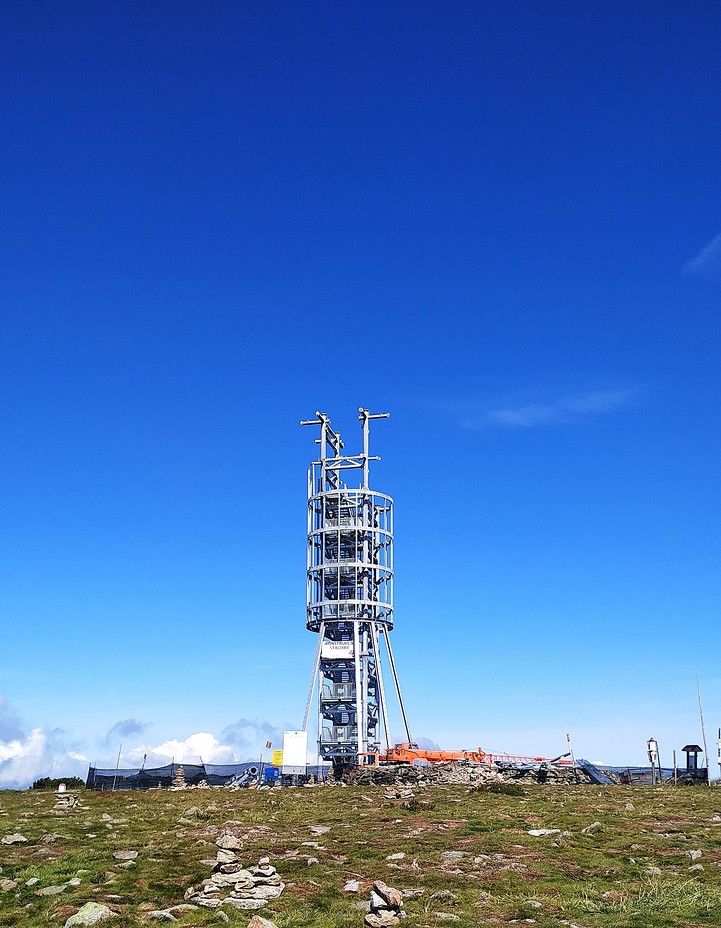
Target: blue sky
497	220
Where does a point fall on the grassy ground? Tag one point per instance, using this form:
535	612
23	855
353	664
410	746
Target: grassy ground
595	879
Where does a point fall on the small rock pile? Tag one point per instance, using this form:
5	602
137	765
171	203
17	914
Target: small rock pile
250	888
386	906
65	800
179	780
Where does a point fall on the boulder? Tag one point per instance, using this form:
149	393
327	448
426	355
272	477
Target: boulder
229	842
125	855
392	897
91	914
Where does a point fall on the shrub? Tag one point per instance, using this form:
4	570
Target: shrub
49	783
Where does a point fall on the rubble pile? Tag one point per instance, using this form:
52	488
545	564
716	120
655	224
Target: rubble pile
233	884
463	774
386	906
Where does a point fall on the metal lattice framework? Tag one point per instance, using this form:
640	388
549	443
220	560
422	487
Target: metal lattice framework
349	600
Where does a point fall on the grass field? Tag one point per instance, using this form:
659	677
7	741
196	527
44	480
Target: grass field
505	876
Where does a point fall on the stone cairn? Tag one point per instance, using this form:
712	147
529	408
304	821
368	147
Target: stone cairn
179	780
64	799
249	888
386	906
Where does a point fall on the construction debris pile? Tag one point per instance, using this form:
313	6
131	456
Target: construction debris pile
233	884
465	774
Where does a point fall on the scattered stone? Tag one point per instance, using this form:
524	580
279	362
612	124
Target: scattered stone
452	857
543	832
352	886
694	855
445	895
311	861
391	793
399	856
696	867
653	871
318	829
258	922
173	913
229	842
630	807
33	881
90	914
589	829
51	890
125	855
76	881
7	885
534	903
14	839
247	904
447	916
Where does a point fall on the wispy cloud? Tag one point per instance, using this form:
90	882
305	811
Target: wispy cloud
707	261
124	729
515	411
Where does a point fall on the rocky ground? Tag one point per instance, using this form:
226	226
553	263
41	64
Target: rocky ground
416	854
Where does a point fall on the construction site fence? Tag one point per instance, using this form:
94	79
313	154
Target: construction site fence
194	774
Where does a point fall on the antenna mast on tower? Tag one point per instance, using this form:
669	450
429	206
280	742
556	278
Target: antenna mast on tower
349	599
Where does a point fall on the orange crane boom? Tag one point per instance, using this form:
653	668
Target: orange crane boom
406	752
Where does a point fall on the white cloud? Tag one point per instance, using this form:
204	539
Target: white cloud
27	757
568	408
200	746
707	261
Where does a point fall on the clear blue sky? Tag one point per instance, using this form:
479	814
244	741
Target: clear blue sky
500	221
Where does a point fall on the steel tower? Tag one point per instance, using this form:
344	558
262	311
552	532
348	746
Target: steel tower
349	600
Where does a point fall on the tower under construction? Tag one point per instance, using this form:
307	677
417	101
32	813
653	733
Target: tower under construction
349	599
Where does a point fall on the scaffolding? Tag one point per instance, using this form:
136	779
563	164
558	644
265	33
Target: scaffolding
349	600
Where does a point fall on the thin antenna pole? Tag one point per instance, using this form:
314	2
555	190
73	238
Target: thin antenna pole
313	677
381	688
397	682
703	729
573	758
117	765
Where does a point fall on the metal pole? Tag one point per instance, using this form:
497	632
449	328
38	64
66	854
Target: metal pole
675	768
703	730
314	675
397	682
381	689
360	705
117	765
